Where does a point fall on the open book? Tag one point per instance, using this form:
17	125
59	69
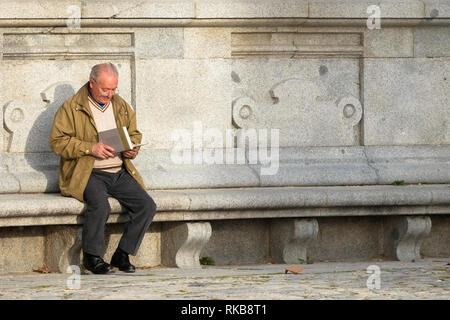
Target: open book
118	138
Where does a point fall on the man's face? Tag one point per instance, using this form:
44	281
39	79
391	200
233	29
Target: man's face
104	88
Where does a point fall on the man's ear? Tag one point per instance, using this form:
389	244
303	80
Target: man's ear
91	83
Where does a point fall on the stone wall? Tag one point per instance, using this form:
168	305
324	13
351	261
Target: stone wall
353	104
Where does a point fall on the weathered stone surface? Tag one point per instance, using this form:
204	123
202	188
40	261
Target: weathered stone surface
162	113
389	43
37	172
403	236
358	9
238	242
296	43
356	108
347	238
22	249
159	43
149	254
182	243
251	9
432	42
192	204
418	164
437	9
207	43
98	9
436	244
301	98
406	101
290	238
34	100
210	9
424	280
63	247
8	183
143	9
36	9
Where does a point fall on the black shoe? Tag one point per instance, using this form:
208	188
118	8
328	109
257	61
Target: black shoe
120	260
96	265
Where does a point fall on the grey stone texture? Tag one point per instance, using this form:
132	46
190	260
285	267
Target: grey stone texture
431	42
357	109
289	239
238	242
424	280
390	42
183	242
406	101
440	233
404	237
292	94
22	249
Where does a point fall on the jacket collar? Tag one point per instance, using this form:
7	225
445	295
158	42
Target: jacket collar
81	98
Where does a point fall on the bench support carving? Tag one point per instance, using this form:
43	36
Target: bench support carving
62	248
290	239
403	236
183	242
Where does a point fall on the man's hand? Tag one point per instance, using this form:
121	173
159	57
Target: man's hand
131	154
102	151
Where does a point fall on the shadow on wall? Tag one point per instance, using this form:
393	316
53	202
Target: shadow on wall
38	153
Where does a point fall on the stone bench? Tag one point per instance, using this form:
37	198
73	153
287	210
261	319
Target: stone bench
293	213
357	108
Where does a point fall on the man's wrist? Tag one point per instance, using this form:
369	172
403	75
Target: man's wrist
87	148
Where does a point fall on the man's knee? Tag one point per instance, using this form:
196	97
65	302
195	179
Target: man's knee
150	206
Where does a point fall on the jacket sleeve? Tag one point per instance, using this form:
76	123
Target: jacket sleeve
135	134
63	139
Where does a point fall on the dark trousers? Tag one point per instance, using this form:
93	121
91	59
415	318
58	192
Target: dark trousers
141	210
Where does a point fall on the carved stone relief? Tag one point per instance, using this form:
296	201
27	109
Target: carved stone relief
41	71
314	102
307	84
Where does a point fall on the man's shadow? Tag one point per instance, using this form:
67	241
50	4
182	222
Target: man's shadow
41	158
37	149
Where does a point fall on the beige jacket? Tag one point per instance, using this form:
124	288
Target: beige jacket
74	133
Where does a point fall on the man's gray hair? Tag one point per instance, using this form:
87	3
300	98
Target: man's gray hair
102	67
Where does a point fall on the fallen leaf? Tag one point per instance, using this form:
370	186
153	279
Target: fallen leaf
42	269
294	269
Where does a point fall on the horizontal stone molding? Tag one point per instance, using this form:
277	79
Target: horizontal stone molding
218	9
244	22
309	166
293	44
243	203
298	167
219	13
93	45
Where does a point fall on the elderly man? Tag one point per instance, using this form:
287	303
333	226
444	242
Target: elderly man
90	171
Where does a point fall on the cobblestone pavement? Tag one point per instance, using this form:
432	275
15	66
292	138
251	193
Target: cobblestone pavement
424	279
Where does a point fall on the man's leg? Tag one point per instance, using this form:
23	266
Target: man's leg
141	210
96	215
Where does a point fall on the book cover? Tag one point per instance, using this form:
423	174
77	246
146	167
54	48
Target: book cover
118	138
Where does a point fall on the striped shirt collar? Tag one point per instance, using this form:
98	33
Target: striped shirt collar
99	106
